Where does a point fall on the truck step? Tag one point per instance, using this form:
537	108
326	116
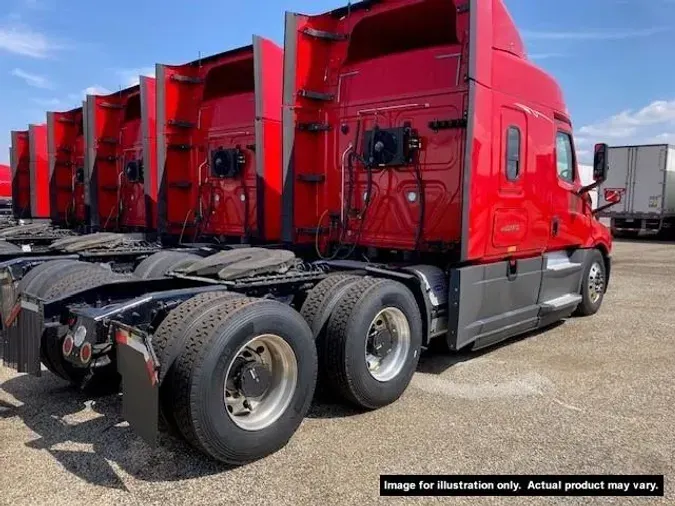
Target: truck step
560	303
559	267
559	262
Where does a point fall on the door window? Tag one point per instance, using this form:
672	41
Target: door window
565	156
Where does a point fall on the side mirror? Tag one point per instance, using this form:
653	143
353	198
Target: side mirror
600	163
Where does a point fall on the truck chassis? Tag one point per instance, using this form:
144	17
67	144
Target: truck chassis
252	319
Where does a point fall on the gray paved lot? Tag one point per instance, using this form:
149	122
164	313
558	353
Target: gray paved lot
592	395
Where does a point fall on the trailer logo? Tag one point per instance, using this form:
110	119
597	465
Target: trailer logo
654	201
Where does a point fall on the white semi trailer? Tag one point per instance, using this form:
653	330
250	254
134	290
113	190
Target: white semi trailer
644	176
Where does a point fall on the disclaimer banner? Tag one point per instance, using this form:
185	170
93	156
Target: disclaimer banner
521	485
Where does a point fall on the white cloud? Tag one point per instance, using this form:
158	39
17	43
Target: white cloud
664	138
21	40
629	123
130	77
33	80
593	35
95	90
652	124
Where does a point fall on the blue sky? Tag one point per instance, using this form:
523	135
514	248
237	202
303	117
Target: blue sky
611	56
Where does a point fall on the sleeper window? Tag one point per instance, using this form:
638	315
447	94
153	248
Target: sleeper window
512	153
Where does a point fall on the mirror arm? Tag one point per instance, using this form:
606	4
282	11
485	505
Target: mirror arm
586	189
606	206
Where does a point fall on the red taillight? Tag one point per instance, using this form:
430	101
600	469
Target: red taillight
85	353
67	345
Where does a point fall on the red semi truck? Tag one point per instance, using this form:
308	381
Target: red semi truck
120	159
66	136
5	192
432	167
219	138
20	164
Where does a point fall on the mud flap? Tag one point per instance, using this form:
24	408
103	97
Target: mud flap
140	386
22	337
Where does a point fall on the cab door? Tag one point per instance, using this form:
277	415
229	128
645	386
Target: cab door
519	224
570	220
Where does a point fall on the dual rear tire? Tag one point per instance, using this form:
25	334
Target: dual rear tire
243	376
238	374
369	342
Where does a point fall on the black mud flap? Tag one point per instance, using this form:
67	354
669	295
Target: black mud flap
22	337
140	386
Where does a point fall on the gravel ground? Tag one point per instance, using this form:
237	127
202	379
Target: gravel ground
592	395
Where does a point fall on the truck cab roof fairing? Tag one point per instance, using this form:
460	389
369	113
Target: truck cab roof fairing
334	92
221	110
114	127
66	152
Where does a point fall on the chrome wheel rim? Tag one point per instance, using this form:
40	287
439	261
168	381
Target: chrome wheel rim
596	282
260	382
387	344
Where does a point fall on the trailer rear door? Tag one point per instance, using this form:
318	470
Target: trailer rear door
648	179
639	173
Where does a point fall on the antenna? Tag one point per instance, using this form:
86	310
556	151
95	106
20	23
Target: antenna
199	59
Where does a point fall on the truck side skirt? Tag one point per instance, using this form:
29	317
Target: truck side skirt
492	302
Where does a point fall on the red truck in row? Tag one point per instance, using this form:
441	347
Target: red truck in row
426	183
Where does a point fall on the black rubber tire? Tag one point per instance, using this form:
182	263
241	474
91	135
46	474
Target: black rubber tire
320	300
52	341
81	280
321	296
214	337
586	306
171	332
159	264
343	360
39	280
34	279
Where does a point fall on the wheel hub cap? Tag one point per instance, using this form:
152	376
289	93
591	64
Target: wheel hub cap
260	382
388	344
254	379
596	282
383	343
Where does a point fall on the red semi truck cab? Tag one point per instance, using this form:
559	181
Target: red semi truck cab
65	140
5	189
39	171
20	167
419	132
121	168
219	145
422	126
